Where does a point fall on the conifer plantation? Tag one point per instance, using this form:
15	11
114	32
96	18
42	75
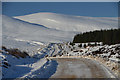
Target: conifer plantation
106	36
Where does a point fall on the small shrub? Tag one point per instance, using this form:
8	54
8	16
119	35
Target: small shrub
4	48
16	52
72	43
80	45
85	45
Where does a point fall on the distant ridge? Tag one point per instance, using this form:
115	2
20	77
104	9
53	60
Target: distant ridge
69	22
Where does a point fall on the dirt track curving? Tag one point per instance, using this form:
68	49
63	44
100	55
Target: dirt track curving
80	68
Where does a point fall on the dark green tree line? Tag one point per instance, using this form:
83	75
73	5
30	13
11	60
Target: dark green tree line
106	36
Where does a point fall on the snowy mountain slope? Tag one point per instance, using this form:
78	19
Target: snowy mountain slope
16	29
69	22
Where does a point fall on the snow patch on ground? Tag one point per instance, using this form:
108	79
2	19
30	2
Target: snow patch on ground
29	67
31	42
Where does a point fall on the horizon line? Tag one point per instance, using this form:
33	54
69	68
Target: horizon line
66	14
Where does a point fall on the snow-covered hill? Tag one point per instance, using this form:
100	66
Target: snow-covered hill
13	28
50	27
69	22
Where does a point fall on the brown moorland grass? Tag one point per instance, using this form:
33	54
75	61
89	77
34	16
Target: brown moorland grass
15	52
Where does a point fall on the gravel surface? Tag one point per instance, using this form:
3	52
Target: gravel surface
79	68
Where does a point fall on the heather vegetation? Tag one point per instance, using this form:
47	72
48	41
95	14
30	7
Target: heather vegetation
15	52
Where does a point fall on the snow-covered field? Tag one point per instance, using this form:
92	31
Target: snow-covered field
46	35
